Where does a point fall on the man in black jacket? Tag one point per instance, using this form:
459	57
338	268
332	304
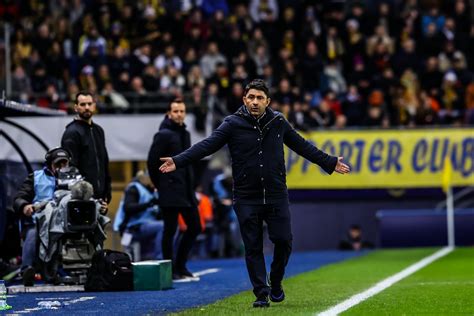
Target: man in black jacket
176	190
86	142
255	135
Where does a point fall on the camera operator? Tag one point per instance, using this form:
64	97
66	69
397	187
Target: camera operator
53	221
35	192
138	217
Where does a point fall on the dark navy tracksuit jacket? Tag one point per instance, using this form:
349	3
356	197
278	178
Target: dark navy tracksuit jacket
256	148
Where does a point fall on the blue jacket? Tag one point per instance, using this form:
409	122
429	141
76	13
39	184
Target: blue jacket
149	214
256	148
38	186
44	185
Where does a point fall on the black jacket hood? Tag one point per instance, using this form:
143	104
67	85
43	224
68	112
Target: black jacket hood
169	124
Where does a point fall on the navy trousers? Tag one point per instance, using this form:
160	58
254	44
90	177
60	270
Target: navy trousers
170	219
277	217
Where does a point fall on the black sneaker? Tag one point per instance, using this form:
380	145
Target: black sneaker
177	276
29	276
277	294
261	301
185	272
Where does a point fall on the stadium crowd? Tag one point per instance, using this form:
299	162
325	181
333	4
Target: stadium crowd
330	64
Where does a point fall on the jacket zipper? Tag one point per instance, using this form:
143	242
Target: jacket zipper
96	158
261	137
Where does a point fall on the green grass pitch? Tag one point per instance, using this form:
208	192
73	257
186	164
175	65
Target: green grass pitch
445	287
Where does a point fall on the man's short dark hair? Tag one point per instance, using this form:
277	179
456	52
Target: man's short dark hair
257	84
175	100
355	227
84	93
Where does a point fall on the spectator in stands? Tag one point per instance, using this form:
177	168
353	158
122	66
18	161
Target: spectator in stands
334	45
377	115
285	93
172	81
411	85
354	107
469	117
234	45
255	135
39	79
380	36
85	140
386	17
151	79
263	42
356	43
92	43
139	97
138	217
140	59
87	79
168	58
406	58
333	79
354	241
427	114
297	117
51	99
311	67
211	59
433	16
218	27
21	84
431	78
257	39
241	75
118	62
451	99
114	101
216	106
191	61
210	7
22	46
222	78
176	190
235	99
200	109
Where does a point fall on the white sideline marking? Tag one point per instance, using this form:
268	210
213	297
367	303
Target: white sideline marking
197	275
65	303
207	271
382	285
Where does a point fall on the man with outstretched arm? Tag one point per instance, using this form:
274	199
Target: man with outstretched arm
255	135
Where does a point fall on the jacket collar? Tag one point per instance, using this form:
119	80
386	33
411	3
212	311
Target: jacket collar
48	171
82	122
169	124
265	117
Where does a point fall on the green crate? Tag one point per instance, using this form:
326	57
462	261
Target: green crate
153	275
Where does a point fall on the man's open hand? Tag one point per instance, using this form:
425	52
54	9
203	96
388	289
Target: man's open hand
168	165
341	167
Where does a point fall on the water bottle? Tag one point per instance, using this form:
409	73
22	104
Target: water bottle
49	304
3	297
